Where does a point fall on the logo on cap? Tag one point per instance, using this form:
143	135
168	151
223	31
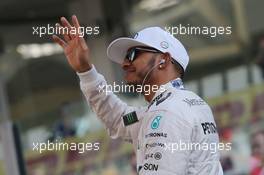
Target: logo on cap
164	45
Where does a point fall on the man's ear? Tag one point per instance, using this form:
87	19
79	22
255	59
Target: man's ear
165	59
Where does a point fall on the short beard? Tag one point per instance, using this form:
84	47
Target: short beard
148	73
134	84
142	75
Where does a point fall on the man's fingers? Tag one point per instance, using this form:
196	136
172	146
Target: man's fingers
59	41
83	43
76	24
75	21
63	33
66	23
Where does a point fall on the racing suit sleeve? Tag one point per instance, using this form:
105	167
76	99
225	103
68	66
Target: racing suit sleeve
165	143
108	107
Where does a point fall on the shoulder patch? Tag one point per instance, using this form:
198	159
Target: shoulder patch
130	118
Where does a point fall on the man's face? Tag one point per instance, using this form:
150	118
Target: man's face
135	71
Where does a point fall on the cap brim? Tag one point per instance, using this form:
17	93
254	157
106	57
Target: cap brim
117	49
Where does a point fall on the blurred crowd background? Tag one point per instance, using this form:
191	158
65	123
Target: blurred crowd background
40	99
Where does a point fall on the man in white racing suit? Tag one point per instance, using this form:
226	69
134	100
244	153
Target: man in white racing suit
174	133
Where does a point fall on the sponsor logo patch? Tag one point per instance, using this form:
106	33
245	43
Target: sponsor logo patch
130	118
155	144
209	128
155	123
156	134
151	167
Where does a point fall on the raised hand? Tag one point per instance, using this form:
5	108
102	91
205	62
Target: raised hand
74	46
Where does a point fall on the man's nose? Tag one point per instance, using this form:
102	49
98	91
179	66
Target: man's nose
125	64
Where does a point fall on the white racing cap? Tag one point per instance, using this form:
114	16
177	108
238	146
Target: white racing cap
154	37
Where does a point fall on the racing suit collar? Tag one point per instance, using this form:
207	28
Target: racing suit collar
176	83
